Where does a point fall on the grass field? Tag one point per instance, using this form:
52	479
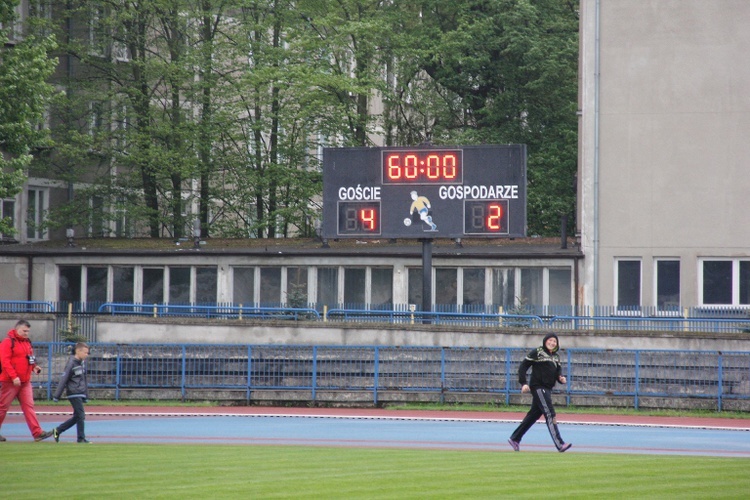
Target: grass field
68	470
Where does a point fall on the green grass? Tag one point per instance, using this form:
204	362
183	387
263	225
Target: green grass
68	470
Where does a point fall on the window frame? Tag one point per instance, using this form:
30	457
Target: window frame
735	292
628	310
660	310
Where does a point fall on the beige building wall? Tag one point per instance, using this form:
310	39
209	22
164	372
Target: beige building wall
664	145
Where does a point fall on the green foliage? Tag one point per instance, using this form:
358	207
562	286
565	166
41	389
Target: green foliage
72	334
220	108
513	66
24	94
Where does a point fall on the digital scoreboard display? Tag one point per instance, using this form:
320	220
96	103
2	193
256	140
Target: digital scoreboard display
424	192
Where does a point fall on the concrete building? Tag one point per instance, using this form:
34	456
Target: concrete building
662	200
663	154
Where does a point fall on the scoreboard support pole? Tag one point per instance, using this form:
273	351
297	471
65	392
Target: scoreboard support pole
426	278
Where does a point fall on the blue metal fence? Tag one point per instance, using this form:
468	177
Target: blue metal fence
584	318
690	320
716	377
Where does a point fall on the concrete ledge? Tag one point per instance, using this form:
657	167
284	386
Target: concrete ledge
136	330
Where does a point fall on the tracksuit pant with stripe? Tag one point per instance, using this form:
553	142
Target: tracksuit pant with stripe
541	405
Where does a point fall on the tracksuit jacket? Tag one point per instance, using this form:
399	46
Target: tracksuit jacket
547	367
73	380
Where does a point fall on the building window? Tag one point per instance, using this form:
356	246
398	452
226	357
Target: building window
532	289
504	288
96	118
96	31
628	284
328	286
153	285
744	282
415	286
35	214
560	287
179	285
123	281
69	283
8	212
205	285
725	282
244	286
445	291
354	287
97	279
296	287
97	228
473	286
270	286
667	285
382	287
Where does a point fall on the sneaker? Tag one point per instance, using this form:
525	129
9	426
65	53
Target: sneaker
56	435
2	439
514	444
44	435
84	441
565	447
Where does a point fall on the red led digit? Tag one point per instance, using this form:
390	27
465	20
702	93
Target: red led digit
394	167
494	217
368	218
449	166
410	166
433	167
422	167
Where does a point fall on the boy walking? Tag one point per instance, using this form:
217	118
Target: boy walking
546	371
73	380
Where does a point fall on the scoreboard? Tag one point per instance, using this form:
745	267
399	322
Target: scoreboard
424	192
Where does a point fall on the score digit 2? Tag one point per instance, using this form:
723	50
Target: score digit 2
359	218
486	217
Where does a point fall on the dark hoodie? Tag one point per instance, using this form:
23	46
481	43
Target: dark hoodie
545	366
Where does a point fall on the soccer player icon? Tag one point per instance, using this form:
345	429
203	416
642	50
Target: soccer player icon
422	205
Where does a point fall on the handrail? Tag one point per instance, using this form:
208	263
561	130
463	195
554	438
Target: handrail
161	310
27	306
734	321
437	317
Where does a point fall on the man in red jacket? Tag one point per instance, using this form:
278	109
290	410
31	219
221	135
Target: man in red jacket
18	362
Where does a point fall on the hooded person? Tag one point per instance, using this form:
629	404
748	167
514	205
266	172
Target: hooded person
546	371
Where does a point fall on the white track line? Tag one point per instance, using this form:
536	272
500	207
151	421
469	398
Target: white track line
378	417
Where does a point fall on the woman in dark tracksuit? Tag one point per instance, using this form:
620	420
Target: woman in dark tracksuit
73	380
546	371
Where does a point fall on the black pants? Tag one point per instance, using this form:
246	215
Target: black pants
541	405
78	419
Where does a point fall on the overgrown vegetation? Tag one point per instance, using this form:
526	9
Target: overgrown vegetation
215	111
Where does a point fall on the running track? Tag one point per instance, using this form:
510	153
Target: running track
375	428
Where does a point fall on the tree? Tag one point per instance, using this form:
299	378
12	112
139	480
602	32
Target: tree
24	96
512	64
227	102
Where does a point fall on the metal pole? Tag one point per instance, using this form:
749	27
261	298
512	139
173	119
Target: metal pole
426	278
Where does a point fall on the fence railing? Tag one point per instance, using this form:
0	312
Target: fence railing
26	306
698	319
630	375
208	311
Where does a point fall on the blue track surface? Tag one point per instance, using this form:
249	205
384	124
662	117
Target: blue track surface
376	432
